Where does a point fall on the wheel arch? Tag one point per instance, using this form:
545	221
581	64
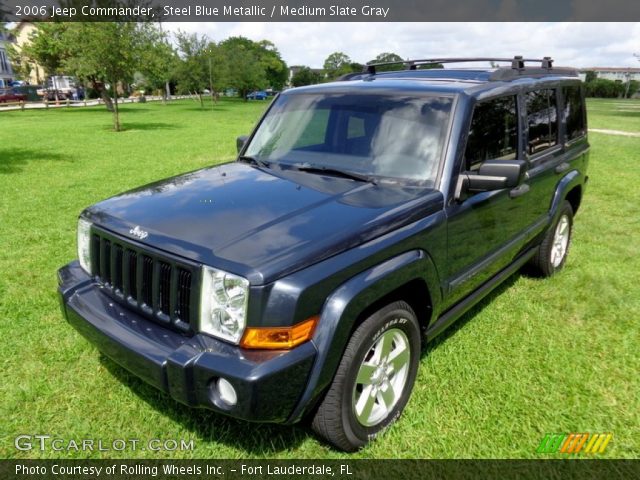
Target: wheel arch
574	197
568	188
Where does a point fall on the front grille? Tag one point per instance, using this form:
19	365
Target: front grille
158	286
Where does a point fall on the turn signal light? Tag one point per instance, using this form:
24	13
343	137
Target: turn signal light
279	338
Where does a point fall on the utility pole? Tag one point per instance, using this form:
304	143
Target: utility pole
214	99
626	92
166	84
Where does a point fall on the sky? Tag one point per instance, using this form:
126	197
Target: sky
569	44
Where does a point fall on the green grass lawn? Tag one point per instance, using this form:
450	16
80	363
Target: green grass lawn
537	356
614	114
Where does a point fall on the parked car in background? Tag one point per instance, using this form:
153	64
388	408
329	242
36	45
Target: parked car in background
11	95
53	95
257	95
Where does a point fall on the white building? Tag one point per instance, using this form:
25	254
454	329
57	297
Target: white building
6	73
620	74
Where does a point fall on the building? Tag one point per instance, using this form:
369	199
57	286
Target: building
6	72
618	74
34	73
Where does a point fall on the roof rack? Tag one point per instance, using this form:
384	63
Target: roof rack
503	73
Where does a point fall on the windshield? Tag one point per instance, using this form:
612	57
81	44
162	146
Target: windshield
399	136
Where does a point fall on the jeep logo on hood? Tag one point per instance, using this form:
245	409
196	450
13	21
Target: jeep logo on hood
138	232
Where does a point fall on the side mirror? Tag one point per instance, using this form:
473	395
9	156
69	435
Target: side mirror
513	171
493	175
240	141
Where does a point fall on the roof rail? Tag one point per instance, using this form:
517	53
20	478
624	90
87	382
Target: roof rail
517	62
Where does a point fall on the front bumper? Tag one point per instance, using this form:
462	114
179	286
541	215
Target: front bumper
268	383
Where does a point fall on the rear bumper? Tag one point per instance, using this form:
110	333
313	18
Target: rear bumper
269	384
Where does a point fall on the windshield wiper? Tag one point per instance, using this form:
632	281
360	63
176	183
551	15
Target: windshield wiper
254	161
335	171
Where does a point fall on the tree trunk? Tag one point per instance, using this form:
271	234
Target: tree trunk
106	99
116	113
99	86
201	101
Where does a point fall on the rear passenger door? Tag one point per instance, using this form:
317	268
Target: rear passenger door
485	230
544	149
556	141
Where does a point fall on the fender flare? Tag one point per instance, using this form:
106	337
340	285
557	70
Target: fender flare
564	186
343	307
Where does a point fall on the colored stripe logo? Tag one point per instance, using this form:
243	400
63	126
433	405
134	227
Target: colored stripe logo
572	443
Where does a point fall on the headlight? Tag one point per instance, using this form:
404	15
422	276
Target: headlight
84	243
223	304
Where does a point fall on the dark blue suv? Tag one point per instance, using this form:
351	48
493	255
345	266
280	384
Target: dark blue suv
361	218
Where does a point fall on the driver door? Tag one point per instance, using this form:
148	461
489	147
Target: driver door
485	228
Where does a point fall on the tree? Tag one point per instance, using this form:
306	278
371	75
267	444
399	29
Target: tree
47	48
192	72
98	53
590	76
603	88
245	73
253	65
430	66
158	63
275	69
218	66
385	58
104	53
356	67
337	64
305	76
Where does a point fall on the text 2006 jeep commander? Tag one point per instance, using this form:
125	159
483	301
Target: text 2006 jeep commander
361	218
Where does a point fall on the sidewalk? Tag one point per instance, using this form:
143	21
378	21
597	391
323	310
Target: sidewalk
82	103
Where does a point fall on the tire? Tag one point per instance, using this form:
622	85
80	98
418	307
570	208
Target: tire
381	359
552	252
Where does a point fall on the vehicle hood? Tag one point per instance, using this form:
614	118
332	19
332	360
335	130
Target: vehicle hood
261	223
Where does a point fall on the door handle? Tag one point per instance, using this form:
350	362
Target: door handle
519	191
563	167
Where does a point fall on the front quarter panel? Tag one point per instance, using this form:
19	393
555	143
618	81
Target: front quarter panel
342	310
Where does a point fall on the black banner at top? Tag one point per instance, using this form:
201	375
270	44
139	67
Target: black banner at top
321	10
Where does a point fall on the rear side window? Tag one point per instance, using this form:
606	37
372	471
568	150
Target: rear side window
493	133
542	117
574	112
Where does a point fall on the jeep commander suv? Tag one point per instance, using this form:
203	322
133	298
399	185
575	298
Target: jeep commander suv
361	218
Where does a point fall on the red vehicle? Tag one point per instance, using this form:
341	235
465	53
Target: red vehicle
11	95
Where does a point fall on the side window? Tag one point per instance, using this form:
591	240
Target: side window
542	117
493	133
574	112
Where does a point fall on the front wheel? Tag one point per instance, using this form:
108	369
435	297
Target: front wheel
552	252
374	379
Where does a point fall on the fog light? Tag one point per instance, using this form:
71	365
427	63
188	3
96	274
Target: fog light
227	393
